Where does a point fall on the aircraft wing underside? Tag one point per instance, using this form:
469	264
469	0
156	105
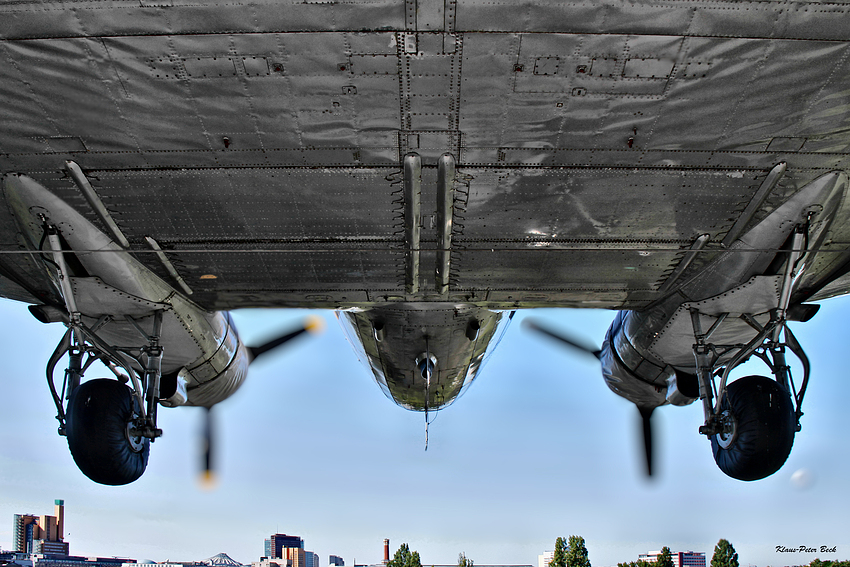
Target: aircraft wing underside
261	145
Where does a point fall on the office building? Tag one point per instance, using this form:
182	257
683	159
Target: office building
543	560
336	561
278	544
689	559
680	558
287	551
40	534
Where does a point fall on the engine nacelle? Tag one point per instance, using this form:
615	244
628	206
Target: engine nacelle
216	375
629	374
648	355
203	359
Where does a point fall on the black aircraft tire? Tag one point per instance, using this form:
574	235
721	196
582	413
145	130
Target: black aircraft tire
96	426
764	431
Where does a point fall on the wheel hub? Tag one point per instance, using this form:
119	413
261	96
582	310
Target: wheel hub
134	438
728	429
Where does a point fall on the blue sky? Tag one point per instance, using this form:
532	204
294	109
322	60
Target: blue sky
537	448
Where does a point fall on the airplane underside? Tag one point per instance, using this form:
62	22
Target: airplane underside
425	169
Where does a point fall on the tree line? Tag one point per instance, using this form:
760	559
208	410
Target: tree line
572	552
724	556
405	558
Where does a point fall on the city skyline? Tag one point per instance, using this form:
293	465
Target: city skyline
40	533
537	448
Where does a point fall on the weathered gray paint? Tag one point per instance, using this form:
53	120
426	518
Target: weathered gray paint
261	143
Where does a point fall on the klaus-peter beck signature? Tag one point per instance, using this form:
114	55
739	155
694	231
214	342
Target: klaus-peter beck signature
805	549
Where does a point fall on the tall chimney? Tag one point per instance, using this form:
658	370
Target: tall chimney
386	551
60	519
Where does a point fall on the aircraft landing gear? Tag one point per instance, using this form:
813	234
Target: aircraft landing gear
751	422
109	425
758	426
101	426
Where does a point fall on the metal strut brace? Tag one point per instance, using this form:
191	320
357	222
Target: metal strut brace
768	337
704	365
76	341
63	347
153	374
791	342
74	344
777	348
120	360
64	275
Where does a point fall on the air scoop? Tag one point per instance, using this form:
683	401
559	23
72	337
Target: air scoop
424	355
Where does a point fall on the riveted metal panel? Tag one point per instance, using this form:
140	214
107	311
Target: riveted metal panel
626	126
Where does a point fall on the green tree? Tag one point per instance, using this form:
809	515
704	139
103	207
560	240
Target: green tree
559	558
577	552
665	558
818	563
405	558
463	560
724	555
401	557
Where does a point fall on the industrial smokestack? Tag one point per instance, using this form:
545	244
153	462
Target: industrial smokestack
386	551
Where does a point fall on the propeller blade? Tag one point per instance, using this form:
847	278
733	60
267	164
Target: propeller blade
572	342
582	346
207	475
312	324
646	422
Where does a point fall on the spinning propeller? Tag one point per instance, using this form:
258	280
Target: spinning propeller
312	324
578	345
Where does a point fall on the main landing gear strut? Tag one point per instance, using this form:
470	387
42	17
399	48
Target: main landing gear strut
751	422
109	425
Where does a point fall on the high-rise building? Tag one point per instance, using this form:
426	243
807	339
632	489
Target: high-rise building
311	559
280	542
289	548
295	557
40	534
336	561
23	526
